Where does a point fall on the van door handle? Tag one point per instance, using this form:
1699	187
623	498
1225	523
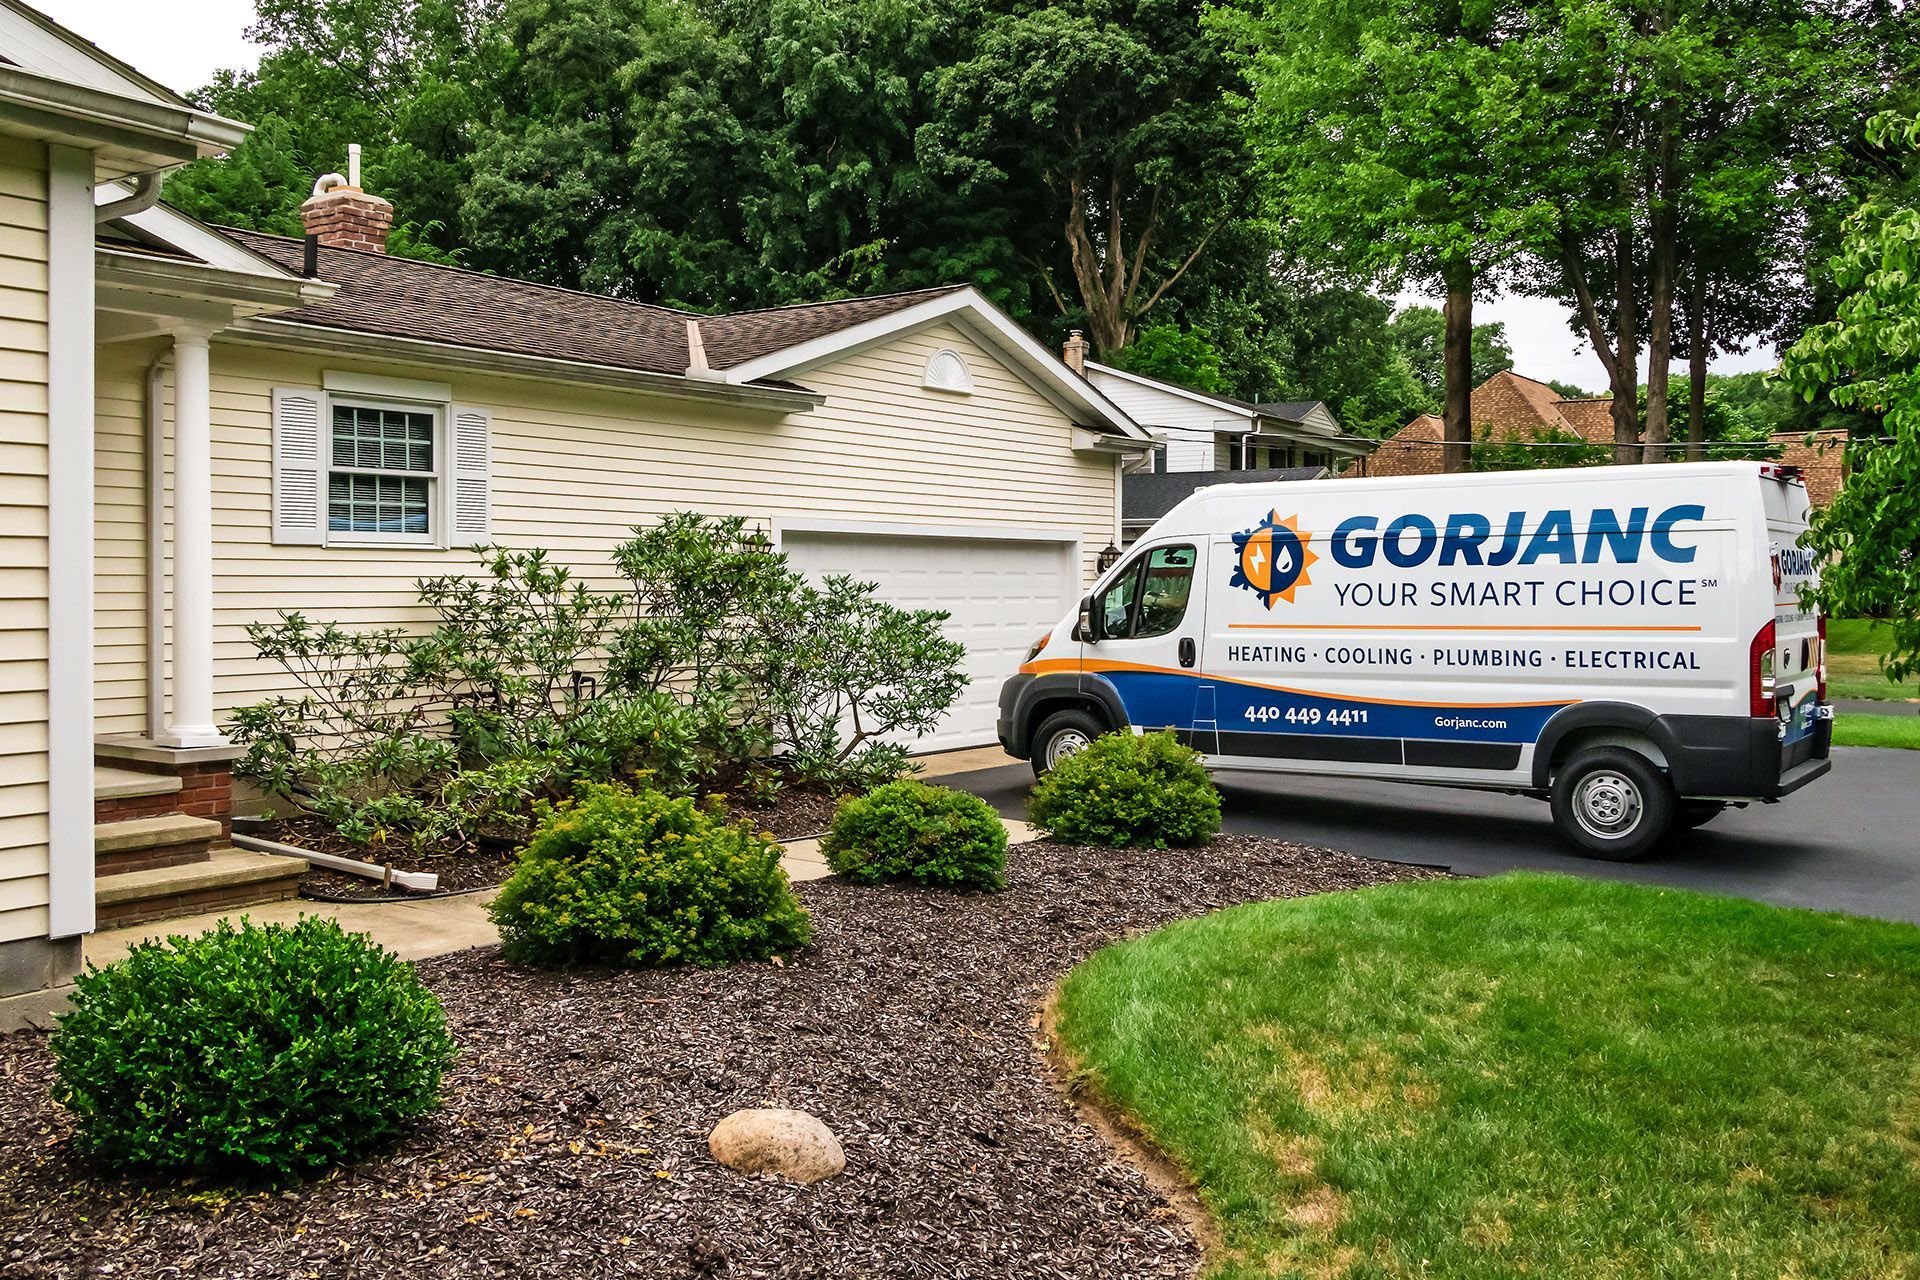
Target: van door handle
1189	652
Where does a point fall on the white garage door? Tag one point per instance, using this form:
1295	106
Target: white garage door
1003	594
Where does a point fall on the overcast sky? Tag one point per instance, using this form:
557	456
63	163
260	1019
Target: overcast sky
183	44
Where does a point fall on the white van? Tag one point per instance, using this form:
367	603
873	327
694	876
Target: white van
1627	642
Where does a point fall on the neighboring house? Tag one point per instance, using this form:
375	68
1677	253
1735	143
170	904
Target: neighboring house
1200	438
1821	458
1200	431
1148	496
1509	406
238	430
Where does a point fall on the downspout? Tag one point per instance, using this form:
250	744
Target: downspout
146	194
157	546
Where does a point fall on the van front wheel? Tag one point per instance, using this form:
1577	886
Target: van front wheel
1062	734
1612	803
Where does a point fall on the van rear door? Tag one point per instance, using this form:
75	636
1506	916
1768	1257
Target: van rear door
1798	660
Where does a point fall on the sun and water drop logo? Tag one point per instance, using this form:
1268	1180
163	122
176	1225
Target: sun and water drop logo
1272	557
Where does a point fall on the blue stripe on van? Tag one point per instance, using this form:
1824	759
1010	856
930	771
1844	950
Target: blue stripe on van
1155	699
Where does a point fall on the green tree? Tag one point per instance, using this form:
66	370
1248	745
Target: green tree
407	79
1867	358
1675	144
722	156
1383	131
1542	447
1173	354
1100	127
1421	333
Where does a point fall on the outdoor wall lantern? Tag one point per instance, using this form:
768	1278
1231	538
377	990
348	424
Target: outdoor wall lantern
1108	558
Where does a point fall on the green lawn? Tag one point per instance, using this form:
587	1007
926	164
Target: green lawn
1851	730
1854	646
1529	1075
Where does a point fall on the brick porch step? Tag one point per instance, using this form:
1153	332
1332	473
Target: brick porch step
164	840
229	878
132	793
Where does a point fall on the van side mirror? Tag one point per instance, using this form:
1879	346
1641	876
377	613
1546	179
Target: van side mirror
1088	630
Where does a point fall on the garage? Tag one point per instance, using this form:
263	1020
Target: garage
1003	590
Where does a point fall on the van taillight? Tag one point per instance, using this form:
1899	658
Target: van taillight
1820	660
1760	673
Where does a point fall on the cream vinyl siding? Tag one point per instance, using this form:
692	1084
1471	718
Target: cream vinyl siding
120	534
23	530
573	468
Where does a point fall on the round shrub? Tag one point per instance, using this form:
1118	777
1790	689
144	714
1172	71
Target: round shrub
907	830
252	1053
638	878
1128	789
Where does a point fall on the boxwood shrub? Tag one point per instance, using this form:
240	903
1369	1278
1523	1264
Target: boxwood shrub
251	1053
1128	789
638	879
908	830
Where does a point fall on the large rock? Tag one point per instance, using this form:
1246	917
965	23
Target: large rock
792	1144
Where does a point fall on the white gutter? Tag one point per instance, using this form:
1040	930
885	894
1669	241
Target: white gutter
269	331
185	134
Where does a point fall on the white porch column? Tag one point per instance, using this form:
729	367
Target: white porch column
190	721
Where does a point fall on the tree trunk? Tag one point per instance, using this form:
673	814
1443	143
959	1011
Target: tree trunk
1697	371
1626	359
1663	234
1456	363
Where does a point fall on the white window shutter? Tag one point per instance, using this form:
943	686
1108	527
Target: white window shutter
299	468
472	476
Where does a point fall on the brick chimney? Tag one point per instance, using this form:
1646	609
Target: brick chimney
1075	353
342	216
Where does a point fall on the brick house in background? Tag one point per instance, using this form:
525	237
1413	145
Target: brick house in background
1511	406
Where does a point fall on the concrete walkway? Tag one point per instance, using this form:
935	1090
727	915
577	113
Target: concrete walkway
421	928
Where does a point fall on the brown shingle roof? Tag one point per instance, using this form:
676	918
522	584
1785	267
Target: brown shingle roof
1507	406
406	298
1591	420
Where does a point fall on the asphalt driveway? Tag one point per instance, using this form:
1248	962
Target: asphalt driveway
1847	842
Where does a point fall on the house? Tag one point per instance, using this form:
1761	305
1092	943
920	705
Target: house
1201	438
207	427
1511	406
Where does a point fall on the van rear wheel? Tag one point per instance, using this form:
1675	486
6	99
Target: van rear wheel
1062	734
1612	803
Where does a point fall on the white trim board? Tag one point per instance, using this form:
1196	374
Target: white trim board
983	321
783	525
1174	389
70	317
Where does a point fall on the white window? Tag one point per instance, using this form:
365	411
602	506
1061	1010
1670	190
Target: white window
947	371
385	471
382	461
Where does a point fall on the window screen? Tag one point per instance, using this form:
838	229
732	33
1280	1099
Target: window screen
383	468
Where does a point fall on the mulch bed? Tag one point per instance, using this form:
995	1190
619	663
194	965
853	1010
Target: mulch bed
573	1142
793	813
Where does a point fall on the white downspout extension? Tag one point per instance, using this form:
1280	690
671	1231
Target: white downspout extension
192	723
70	465
157	545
